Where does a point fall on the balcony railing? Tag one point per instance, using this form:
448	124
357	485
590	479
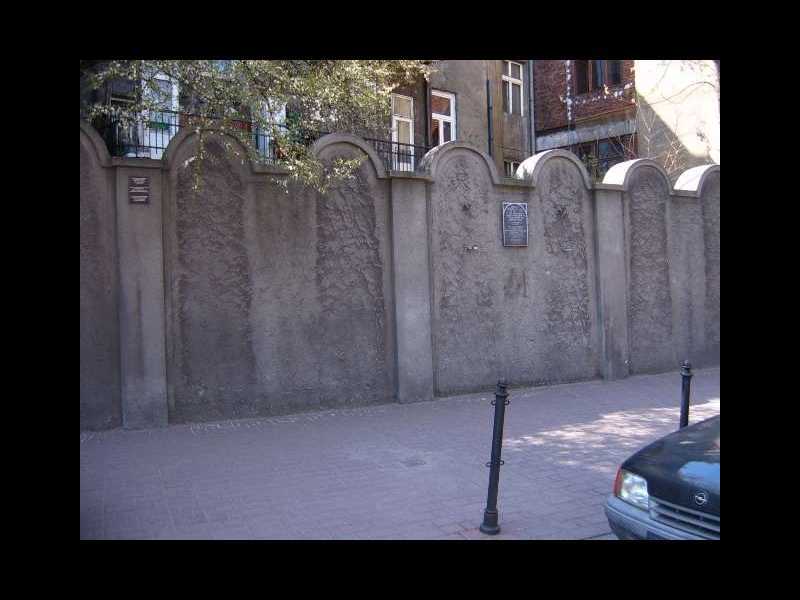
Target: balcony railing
397	156
148	135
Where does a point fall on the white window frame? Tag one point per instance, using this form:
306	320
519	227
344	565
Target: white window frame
396	162
508	80
445	118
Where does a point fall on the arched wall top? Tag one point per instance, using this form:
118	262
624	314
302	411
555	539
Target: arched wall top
95	141
532	166
692	180
348	138
432	159
172	152
175	145
620	173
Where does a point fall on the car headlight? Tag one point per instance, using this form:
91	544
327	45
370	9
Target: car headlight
632	489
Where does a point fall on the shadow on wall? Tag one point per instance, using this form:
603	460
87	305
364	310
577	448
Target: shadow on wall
676	123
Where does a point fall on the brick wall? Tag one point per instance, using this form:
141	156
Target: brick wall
557	105
549	80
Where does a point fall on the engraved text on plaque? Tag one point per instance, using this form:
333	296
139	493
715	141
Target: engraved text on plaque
515	223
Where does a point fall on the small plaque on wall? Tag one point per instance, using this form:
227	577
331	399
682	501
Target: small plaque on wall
515	223
138	190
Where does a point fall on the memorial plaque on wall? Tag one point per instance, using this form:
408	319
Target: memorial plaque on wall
139	190
515	223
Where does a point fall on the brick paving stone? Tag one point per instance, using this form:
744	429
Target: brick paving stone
410	471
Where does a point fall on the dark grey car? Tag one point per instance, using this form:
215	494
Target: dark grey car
669	490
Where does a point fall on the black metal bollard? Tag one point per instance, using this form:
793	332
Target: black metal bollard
489	525
686	377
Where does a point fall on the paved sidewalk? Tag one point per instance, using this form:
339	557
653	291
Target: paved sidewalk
395	471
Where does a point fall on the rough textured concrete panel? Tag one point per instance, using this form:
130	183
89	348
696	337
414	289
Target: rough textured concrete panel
287	310
467	324
650	304
100	380
280	299
569	300
215	372
687	275
350	266
526	314
710	207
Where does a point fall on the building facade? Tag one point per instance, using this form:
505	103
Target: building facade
608	111
604	111
486	103
239	298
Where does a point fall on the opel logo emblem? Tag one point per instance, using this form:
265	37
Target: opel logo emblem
700	498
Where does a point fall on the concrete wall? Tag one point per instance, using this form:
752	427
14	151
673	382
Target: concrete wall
278	301
100	374
244	298
141	266
467	80
526	314
587	132
709	202
699	189
650	307
671	255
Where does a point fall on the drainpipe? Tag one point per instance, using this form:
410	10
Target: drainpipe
427	128
531	115
489	114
